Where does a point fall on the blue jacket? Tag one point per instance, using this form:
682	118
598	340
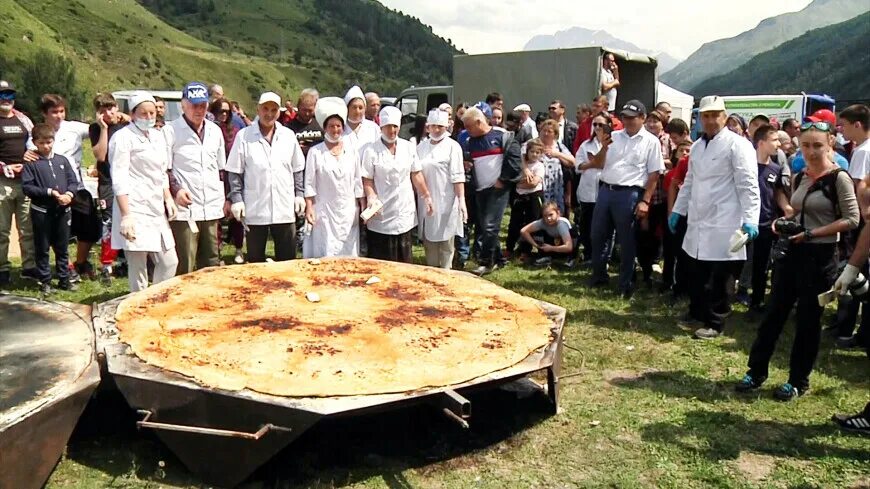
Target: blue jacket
45	175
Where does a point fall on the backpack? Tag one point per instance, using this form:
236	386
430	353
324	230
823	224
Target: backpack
828	186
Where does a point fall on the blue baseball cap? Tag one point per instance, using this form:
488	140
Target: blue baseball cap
485	108
195	92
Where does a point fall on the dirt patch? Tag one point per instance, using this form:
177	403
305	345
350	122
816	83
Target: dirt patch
624	375
861	483
754	467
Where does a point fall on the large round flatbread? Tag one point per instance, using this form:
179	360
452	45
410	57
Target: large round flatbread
259	327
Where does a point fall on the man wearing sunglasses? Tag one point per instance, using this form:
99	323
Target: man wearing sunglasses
14	135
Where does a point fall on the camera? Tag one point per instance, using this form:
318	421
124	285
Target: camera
786	229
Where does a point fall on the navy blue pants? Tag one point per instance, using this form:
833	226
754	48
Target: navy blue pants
491	203
615	209
51	231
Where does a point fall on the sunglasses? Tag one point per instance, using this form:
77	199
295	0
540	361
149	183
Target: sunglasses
7	96
224	111
599	124
821	126
554	108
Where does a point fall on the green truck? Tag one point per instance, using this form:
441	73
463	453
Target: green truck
535	78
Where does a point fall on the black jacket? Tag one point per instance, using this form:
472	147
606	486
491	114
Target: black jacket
43	176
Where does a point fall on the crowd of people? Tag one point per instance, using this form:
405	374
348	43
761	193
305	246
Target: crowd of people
623	186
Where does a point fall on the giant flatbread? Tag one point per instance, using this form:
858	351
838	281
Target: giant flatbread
260	327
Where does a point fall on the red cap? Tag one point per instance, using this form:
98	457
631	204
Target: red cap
823	115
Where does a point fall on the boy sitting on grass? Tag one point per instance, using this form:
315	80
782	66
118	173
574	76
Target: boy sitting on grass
50	182
552	236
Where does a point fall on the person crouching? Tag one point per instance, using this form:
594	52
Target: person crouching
552	235
50	182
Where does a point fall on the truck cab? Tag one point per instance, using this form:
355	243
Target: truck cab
416	102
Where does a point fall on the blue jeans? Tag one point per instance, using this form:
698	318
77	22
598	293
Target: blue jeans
491	203
615	209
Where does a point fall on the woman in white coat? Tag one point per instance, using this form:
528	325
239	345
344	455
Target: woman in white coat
359	132
333	187
391	172
143	204
441	162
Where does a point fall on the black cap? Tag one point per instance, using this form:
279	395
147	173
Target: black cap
633	108
6	86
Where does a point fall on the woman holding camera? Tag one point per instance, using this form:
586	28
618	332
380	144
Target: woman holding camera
825	205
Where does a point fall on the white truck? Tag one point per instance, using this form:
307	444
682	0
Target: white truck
535	78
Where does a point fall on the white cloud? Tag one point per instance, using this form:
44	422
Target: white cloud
678	27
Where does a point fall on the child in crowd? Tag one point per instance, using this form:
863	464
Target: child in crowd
529	194
51	183
553	236
674	275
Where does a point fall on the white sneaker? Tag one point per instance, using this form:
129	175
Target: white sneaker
240	258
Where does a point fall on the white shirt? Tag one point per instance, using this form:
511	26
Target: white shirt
607	77
630	159
335	184
392	183
267	172
859	164
533	128
719	195
587	189
537	169
139	165
442	167
196	166
365	133
68	142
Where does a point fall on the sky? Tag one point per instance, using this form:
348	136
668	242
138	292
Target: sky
678	27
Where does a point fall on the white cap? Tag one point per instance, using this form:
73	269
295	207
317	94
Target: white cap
270	97
445	107
390	115
523	108
329	106
437	117
354	92
138	97
711	103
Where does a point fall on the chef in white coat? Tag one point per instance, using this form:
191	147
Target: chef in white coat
140	161
266	172
333	187
358	131
720	196
197	156
391	172
441	163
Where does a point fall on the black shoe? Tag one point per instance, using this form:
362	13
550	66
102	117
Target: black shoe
847	342
627	293
5	278
30	273
749	383
67	285
85	270
857	423
742	297
788	392
74	277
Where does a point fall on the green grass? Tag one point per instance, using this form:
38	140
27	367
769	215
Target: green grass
644	406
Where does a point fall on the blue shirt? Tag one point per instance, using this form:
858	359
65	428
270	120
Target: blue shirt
799	164
486	153
238	122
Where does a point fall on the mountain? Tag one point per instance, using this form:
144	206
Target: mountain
248	46
578	37
831	60
719	57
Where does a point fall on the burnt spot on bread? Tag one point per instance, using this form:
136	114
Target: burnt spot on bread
268	283
267	324
432	312
162	296
396	292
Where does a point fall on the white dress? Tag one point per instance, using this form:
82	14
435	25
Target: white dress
442	167
335	184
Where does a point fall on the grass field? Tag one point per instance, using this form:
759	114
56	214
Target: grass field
644	406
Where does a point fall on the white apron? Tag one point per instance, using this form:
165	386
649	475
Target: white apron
442	167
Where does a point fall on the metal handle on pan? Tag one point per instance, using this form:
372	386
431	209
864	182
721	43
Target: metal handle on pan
205	431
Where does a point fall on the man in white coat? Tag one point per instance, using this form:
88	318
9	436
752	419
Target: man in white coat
720	196
266	175
197	156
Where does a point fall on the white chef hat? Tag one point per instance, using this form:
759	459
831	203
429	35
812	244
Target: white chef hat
437	117
390	115
354	92
138	97
329	106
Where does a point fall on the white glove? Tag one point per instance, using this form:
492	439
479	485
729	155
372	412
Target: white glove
299	206
171	209
850	273
128	227
238	210
463	210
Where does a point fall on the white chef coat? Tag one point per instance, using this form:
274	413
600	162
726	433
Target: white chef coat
720	194
336	184
68	142
196	166
587	189
366	132
607	77
392	182
630	159
139	165
442	167
267	172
